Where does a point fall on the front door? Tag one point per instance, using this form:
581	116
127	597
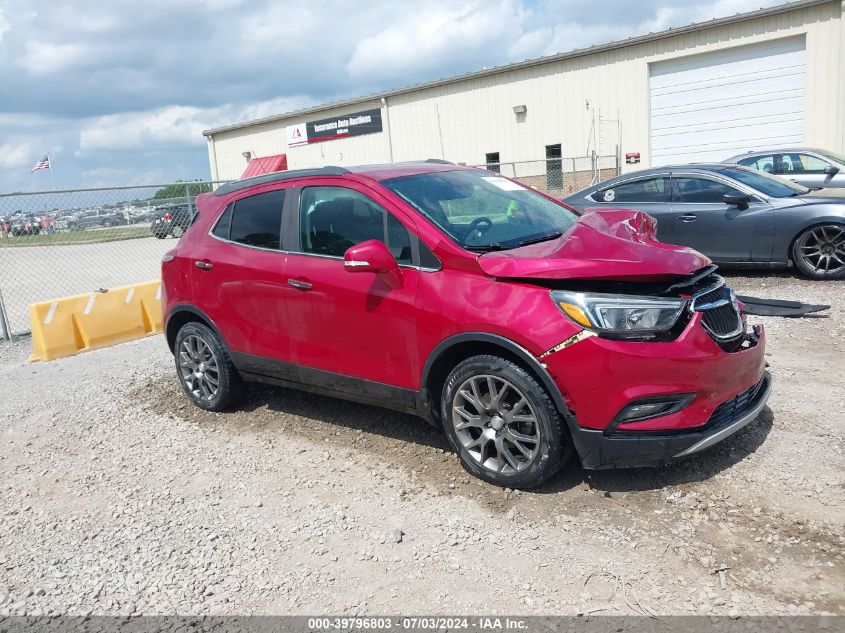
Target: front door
723	232
345	325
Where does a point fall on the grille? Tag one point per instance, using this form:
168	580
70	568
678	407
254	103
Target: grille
722	322
736	407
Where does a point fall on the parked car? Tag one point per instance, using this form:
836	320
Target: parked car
171	220
735	215
814	168
526	332
96	219
24	224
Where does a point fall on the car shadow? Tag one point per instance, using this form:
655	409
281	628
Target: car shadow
698	467
344	415
334	416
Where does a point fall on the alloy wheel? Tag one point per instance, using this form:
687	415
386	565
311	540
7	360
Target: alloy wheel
496	424
823	249
177	232
198	368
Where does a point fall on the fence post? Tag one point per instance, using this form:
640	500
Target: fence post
4	321
188	200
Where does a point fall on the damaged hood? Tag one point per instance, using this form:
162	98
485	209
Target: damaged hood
618	244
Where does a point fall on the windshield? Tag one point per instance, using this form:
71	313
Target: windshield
482	211
839	158
764	183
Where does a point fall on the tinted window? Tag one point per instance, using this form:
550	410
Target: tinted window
647	190
224	223
427	258
257	220
763	163
703	190
331	219
764	183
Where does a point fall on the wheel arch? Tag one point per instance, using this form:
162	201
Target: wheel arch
814	223
459	347
182	314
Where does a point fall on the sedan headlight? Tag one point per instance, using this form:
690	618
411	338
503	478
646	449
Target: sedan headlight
621	315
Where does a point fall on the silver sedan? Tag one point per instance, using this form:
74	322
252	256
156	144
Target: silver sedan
734	215
807	166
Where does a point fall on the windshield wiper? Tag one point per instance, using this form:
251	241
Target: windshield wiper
542	238
484	248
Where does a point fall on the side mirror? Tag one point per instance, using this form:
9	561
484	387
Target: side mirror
740	201
373	256
831	170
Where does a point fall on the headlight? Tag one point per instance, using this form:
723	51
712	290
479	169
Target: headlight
622	315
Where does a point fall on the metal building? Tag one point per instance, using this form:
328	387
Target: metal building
707	91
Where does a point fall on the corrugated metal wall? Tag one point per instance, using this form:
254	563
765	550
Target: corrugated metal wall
464	120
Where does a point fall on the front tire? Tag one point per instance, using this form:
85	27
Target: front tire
503	423
819	252
177	232
205	369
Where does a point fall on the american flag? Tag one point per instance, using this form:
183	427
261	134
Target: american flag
44	163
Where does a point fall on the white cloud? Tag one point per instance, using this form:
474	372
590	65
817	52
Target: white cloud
4	24
113	176
428	34
14	155
42	58
171	126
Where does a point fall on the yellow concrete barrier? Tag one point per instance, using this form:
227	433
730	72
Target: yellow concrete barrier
76	324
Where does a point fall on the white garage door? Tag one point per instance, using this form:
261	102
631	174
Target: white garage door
710	107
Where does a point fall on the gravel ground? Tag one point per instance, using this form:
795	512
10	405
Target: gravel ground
117	497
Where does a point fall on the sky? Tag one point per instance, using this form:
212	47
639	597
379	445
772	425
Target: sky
119	91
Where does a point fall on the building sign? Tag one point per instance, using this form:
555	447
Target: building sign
345	126
632	158
297	135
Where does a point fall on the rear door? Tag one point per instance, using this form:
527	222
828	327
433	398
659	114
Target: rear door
652	194
723	232
239	278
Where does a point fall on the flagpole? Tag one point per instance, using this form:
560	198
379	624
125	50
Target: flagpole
52	176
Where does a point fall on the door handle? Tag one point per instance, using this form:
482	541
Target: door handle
203	265
299	284
688	217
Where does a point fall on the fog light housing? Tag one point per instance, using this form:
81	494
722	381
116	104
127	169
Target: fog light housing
648	408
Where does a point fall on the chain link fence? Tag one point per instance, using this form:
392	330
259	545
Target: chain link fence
559	177
59	243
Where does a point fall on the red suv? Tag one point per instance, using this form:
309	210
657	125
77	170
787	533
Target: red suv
525	331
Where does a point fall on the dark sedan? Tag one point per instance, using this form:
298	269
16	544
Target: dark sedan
171	220
734	215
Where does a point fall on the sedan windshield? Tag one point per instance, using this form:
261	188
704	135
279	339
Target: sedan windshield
839	158
482	211
766	184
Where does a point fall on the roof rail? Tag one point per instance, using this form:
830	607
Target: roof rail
237	185
439	161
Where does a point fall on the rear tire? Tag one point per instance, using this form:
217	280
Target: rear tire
177	232
819	252
503	424
205	369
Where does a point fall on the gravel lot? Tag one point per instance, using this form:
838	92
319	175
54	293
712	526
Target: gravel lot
118	496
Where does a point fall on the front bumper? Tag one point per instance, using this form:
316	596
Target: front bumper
600	450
